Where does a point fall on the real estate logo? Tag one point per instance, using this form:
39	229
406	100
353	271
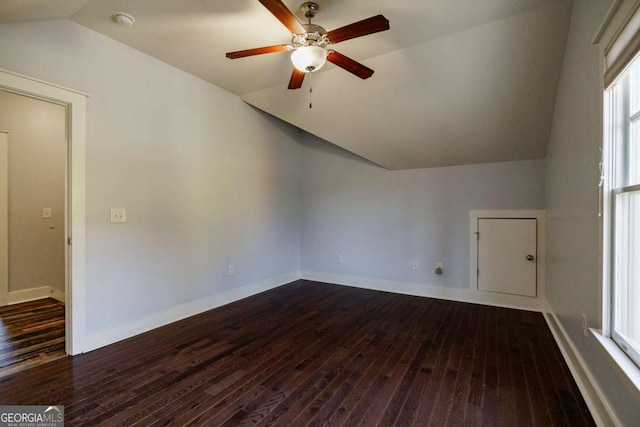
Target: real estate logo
31	416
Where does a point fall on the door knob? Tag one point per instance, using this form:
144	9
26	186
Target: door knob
530	257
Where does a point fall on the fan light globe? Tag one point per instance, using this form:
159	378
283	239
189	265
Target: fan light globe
309	58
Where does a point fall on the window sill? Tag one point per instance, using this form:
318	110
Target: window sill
622	361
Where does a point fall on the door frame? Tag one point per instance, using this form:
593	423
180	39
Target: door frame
539	215
4	217
75	194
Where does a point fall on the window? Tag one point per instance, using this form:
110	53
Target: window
622	154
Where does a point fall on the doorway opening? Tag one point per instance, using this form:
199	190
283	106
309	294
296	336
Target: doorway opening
73	222
33	177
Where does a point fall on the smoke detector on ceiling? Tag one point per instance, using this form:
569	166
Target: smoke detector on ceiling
124	19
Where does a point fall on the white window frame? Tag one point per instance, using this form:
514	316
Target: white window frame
616	149
617	34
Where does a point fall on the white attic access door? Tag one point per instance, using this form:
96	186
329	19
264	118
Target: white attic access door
507	252
507	255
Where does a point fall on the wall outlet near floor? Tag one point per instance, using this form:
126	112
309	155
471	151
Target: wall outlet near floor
584	324
438	268
414	265
339	259
232	269
47	213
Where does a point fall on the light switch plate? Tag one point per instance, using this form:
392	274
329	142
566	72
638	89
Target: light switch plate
47	213
118	215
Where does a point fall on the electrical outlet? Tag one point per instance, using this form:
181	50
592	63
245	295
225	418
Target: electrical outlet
339	259
414	265
438	268
47	213
232	269
584	324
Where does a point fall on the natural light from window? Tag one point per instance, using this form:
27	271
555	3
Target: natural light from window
624	163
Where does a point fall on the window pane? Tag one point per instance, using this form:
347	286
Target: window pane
633	166
633	77
627	269
630	150
629	146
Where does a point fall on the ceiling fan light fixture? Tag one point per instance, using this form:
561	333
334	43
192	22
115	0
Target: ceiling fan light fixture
309	58
311	42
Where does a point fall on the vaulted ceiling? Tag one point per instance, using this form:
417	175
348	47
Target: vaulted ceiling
455	82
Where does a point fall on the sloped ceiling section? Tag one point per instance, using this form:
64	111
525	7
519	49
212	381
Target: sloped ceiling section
484	94
455	82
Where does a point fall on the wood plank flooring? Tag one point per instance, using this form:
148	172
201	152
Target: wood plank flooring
312	354
31	333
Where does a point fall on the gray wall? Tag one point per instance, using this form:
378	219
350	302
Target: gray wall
573	255
381	220
37	161
207	181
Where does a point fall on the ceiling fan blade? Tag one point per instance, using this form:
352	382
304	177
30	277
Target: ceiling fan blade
257	51
349	64
284	15
296	79
357	29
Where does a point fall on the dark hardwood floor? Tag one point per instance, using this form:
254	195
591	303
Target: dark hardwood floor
316	354
31	333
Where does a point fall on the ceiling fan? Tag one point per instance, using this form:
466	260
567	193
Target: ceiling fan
309	42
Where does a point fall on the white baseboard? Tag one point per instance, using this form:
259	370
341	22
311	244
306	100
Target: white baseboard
173	314
25	295
422	290
596	400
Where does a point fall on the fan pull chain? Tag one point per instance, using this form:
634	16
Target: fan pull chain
310	92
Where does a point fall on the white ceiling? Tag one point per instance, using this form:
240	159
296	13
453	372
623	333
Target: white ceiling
461	82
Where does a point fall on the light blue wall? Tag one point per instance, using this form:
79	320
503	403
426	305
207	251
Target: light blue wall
207	181
573	252
381	220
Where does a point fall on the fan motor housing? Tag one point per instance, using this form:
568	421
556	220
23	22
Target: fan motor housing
313	28
314	35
